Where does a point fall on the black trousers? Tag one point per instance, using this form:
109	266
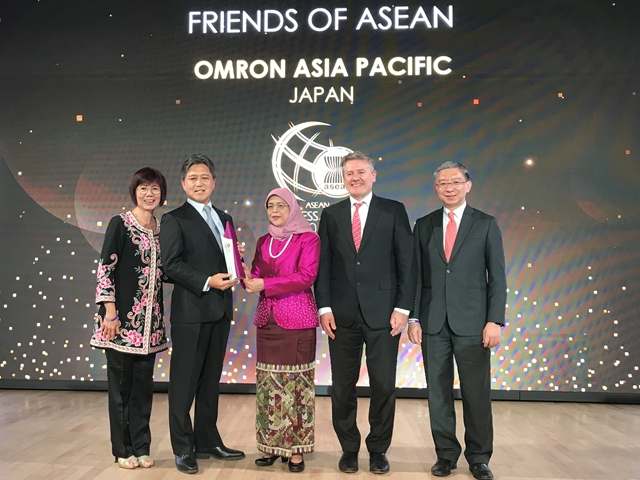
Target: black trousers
474	369
382	358
130	389
196	365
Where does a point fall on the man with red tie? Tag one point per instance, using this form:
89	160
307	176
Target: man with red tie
364	290
459	311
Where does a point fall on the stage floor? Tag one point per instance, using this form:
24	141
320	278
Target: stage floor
64	435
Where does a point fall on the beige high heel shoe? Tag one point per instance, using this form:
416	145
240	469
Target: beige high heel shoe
128	463
145	461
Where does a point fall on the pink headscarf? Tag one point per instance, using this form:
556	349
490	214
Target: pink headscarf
296	223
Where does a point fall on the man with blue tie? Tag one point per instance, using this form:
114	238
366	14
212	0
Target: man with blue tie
458	313
201	313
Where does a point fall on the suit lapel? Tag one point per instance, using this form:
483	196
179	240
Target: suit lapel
438	233
372	218
463	230
196	218
223	219
345	222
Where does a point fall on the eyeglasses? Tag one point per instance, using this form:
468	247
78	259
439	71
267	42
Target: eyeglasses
445	185
144	189
277	206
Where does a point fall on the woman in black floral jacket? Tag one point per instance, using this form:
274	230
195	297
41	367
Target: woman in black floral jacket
129	324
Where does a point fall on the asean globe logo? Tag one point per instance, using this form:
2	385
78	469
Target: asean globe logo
303	165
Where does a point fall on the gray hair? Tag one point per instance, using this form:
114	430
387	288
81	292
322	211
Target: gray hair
450	164
197	159
358	155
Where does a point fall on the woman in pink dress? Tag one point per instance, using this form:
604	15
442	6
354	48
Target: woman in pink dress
283	271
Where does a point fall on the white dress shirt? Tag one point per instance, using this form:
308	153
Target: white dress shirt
363	211
214	215
457	214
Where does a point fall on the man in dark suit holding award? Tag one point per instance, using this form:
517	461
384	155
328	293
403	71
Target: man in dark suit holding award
364	291
459	311
201	313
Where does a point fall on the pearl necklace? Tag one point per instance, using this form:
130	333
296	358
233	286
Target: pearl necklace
281	251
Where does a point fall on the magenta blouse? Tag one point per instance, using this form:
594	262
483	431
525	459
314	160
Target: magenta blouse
288	279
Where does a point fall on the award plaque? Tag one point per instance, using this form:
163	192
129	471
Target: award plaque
231	254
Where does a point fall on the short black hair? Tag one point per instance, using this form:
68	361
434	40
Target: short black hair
148	176
197	159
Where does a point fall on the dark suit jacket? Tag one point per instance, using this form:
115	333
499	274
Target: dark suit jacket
191	254
379	277
471	289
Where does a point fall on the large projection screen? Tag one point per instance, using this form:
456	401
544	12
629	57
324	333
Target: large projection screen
540	100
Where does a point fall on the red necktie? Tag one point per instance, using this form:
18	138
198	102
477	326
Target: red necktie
356	229
450	236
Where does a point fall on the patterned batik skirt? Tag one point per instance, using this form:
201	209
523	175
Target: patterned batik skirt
285	390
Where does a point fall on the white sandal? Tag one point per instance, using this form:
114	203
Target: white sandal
128	463
145	461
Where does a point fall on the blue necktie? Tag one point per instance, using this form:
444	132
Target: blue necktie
212	225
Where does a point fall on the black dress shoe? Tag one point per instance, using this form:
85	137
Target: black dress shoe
268	461
348	462
481	471
378	463
186	463
296	467
443	467
221	453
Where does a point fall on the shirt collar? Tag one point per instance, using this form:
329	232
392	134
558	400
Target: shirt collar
198	206
366	200
457	212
